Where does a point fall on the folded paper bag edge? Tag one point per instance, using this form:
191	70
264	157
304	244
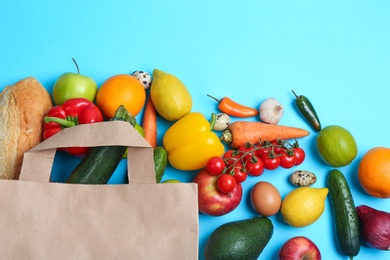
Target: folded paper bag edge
95	134
90	135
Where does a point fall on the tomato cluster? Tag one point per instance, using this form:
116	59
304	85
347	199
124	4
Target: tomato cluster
252	159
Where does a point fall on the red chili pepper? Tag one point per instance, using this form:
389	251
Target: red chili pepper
232	108
72	112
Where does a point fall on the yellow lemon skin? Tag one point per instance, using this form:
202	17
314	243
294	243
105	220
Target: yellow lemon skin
170	96
303	206
336	146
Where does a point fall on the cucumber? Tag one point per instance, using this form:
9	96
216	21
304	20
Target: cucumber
100	162
160	162
345	217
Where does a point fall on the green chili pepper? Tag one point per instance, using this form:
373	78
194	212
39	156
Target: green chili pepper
307	110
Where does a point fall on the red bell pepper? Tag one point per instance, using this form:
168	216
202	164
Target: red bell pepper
72	112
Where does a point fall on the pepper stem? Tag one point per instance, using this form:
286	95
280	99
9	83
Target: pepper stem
60	121
212	121
216	99
294	94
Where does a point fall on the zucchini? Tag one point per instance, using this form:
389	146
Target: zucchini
345	217
100	162
160	162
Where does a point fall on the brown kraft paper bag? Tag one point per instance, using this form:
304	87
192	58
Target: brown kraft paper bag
140	220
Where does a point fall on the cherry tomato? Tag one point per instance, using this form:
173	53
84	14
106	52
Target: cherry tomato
271	162
261	151
287	161
226	183
215	165
231	156
247	150
254	166
239	173
300	155
277	147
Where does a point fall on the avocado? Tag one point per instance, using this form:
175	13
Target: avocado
242	239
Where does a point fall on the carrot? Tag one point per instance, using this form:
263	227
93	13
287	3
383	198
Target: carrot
241	132
149	123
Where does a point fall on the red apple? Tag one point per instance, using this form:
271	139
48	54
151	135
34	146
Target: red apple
211	201
299	248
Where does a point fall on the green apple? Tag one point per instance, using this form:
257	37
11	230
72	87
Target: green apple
74	85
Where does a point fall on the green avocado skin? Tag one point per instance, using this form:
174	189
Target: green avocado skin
243	239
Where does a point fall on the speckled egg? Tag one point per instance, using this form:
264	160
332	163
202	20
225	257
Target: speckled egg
143	77
303	178
222	122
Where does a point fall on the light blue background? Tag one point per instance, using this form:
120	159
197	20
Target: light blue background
337	53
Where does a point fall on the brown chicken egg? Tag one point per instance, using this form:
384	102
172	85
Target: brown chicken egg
265	199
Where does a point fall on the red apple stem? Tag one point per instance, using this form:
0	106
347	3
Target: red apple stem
77	66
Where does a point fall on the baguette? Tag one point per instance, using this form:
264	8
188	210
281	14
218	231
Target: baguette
22	109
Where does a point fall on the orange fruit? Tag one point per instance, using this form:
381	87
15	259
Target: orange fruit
121	89
374	172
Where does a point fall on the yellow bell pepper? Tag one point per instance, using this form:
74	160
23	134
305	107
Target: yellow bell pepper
190	142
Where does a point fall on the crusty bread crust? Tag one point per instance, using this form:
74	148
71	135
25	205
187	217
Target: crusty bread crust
23	107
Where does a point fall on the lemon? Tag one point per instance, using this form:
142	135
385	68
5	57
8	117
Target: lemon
170	96
303	206
336	146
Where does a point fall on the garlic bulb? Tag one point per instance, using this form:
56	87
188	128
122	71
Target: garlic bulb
271	111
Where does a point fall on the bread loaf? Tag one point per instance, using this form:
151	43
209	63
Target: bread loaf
22	109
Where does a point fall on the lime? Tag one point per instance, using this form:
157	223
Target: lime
141	131
303	206
336	146
171	181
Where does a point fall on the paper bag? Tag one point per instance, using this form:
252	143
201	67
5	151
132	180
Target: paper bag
139	220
